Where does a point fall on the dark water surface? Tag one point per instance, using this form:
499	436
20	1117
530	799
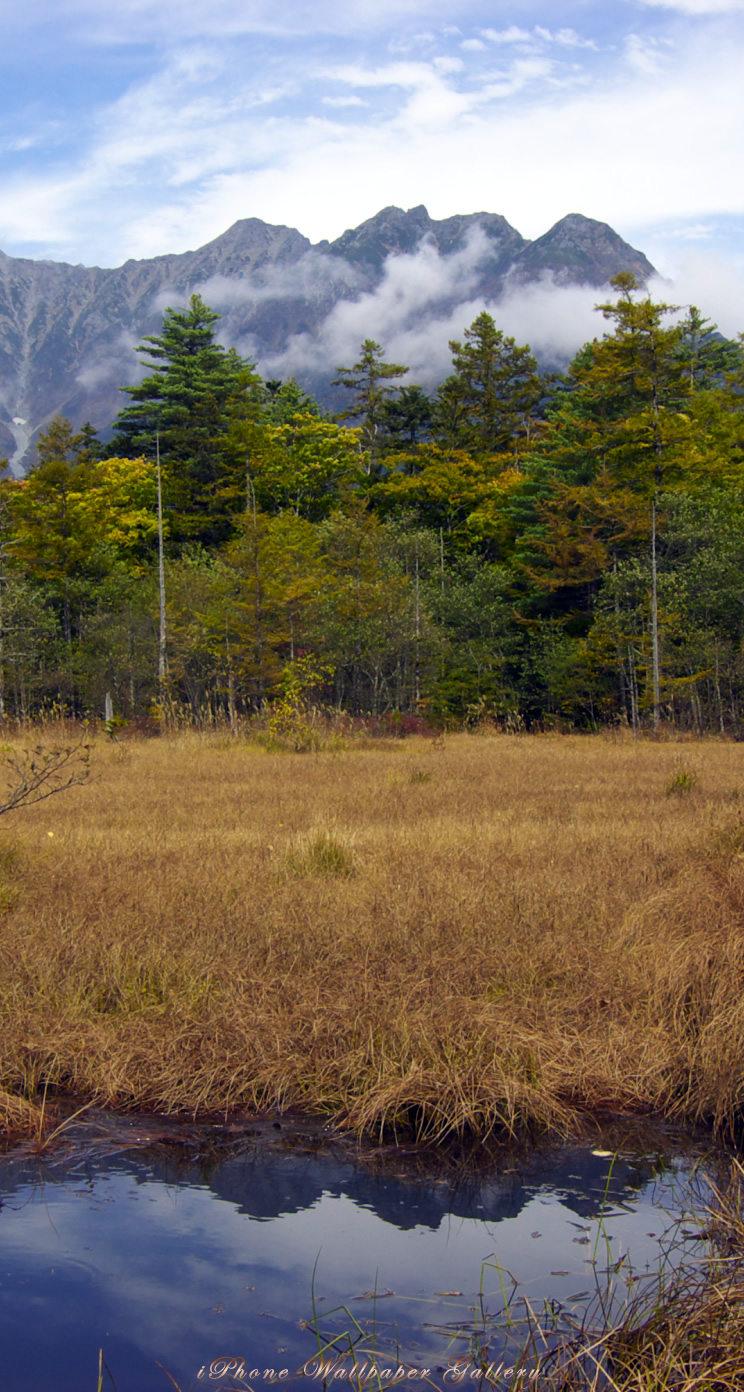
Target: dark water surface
190	1249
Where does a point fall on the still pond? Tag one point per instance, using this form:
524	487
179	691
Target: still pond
209	1258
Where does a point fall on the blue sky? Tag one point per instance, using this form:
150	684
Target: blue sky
147	126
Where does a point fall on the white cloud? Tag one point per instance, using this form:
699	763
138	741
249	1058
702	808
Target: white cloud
448	65
567	38
423	301
411	310
119	363
314	277
407	75
433	102
518	76
693	232
643	55
714	284
507	36
352	100
697	7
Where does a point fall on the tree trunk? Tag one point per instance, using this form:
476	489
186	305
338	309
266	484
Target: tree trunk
258	647
162	634
656	670
417	659
633	693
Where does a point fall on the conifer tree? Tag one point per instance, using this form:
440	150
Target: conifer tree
406	418
185	401
370	380
486	405
705	353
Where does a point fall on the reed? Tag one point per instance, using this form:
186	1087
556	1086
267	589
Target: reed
469	935
684	1332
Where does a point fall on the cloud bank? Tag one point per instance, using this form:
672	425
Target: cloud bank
424	300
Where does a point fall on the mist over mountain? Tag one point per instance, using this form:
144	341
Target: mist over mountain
68	334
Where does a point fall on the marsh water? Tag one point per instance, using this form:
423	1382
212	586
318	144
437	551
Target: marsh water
214	1257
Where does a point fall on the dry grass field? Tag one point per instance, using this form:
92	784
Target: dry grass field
477	934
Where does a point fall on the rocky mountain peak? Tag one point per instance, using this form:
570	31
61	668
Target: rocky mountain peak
393	232
68	334
579	250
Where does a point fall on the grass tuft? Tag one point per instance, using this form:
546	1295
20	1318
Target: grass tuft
18	1117
682	783
321	853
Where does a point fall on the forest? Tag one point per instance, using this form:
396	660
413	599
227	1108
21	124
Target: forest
537	552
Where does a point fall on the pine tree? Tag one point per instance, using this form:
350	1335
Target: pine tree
185	402
707	356
369	379
486	406
406	418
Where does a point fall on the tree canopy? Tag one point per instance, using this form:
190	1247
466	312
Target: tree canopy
533	551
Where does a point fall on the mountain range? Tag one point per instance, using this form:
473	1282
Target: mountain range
68	334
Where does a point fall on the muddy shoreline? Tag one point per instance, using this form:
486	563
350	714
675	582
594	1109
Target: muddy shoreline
77	1128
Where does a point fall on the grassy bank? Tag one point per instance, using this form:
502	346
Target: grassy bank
471	934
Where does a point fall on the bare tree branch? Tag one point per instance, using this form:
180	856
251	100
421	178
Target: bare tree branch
33	775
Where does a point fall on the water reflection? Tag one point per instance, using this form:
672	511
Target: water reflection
164	1255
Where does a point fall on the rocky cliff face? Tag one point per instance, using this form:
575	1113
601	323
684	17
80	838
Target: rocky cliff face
68	333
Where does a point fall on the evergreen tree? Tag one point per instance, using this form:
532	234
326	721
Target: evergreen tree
486	406
89	446
370	380
707	356
283	400
406	419
185	404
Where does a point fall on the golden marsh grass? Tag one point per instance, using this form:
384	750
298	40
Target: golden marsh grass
483	934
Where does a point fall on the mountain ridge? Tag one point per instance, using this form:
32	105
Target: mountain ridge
68	333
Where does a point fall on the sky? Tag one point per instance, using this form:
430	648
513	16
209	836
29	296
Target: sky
150	126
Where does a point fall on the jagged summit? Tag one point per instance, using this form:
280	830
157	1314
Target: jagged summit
68	333
394	231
